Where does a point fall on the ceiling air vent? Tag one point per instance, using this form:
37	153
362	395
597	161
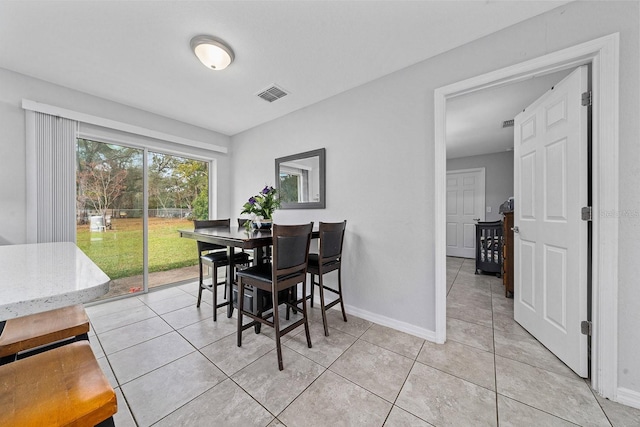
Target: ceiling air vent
272	93
507	123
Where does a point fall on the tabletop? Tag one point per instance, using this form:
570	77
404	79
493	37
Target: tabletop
45	276
238	237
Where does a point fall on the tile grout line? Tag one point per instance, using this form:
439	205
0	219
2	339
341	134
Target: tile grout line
156	314
323	372
495	362
227	377
493	293
537	367
106	356
394	404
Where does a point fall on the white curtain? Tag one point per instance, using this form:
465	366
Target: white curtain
51	178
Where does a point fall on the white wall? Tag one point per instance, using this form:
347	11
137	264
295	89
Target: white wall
386	258
498	178
380	156
14	87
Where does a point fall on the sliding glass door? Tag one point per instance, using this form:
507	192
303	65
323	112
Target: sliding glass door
109	197
130	204
178	194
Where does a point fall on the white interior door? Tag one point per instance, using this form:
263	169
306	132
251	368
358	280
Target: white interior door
550	251
465	206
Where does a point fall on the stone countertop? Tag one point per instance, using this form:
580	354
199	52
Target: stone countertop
45	276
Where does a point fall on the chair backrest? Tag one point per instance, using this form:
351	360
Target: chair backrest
210	223
331	239
242	221
290	253
96	223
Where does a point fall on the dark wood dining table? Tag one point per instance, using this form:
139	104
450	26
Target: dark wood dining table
235	237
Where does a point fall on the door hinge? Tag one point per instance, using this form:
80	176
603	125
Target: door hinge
587	213
586	98
585	327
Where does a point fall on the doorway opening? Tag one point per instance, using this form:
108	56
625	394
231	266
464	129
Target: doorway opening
465	207
602	54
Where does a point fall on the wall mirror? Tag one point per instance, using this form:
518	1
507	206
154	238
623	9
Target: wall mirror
300	180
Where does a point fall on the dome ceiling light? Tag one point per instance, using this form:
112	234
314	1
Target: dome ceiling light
212	52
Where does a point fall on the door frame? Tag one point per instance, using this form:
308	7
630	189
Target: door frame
603	55
483	179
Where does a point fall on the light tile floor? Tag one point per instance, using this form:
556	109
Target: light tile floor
171	365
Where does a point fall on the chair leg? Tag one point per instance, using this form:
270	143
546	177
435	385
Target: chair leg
214	288
240	308
344	313
229	272
106	423
288	308
200	286
235	279
293	294
322	309
304	313
276	327
293	299
312	288
257	298
226	286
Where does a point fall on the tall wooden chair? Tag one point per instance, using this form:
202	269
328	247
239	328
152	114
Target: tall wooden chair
280	278
328	259
34	333
60	387
215	256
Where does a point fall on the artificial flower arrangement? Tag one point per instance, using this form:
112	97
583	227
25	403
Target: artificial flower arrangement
261	207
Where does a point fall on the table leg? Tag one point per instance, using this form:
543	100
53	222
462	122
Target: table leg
258	253
229	279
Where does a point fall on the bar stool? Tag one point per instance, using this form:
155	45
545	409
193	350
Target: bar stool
328	258
49	329
289	268
215	256
60	387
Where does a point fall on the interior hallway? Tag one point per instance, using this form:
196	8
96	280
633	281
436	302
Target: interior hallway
488	348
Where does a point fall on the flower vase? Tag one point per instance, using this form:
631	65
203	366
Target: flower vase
263	224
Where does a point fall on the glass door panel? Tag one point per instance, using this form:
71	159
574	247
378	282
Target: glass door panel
178	193
109	209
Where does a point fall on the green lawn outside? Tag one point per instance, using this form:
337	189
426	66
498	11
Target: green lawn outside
118	252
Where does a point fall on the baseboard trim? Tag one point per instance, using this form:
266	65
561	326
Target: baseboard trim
398	325
628	397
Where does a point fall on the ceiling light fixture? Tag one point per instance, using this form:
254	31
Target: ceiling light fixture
212	52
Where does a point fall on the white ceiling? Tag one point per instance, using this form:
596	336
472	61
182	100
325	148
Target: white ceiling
474	121
137	52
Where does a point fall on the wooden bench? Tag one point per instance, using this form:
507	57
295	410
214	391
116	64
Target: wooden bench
41	329
60	387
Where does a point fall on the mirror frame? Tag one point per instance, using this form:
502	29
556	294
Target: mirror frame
320	153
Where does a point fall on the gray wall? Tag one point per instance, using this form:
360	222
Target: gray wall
14	87
498	178
380	157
